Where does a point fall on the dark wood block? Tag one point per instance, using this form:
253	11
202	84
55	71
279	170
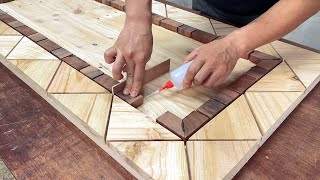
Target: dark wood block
15	24
172	123
48	45
91	72
25	30
193	122
2	12
7	18
203	36
242	83
226	96
100	1
170	24
120	5
211	108
75	62
269	64
133	101
5	1
61	53
257	56
186	30
156	19
257	72
37	37
106	81
106	2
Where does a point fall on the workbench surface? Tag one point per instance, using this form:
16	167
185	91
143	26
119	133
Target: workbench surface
291	152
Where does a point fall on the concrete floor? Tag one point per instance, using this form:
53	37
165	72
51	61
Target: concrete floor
307	34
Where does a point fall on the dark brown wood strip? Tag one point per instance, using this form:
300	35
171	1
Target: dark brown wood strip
37	37
48	45
211	108
257	56
203	36
15	24
91	72
170	24
226	96
106	2
61	53
38	142
156	19
7	18
25	30
242	83
172	123
106	81
75	62
133	101
269	65
193	122
186	30
118	4
257	72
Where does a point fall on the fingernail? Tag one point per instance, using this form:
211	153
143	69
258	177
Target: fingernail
134	93
186	86
126	91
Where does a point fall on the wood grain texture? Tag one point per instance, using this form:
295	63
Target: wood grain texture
291	150
280	78
69	80
93	109
15	24
170	24
216	159
191	19
25	30
7	43
156	19
38	142
236	122
61	53
6	30
242	83
48	45
268	49
91	72
172	123
75	62
186	30
267	107
137	126
161	160
211	108
26	49
306	70
37	37
7	18
106	81
203	36
41	72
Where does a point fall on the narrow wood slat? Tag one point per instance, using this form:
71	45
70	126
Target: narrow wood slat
133	101
226	96
37	37
61	53
242	83
186	30
193	122
257	72
170	24
269	65
7	18
172	123
25	30
257	56
203	36
120	5
75	62
48	45
156	19
15	24
211	108
91	72
106	81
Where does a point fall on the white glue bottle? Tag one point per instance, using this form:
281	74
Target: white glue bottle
177	77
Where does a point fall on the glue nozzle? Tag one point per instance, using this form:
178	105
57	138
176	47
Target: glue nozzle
169	84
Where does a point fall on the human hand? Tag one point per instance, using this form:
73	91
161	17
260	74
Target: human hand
130	54
212	63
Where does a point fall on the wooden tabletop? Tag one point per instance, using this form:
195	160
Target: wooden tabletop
38	142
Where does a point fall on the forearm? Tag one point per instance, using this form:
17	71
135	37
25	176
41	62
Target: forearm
139	12
278	21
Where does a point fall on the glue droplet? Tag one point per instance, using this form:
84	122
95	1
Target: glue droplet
169	84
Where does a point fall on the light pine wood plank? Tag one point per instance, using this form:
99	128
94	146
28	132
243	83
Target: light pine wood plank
7	43
268	49
159	8
92	109
79	104
27	49
289	52
127	123
39	71
236	122
190	19
268	107
307	70
159	159
222	29
6	30
281	78
218	159
69	80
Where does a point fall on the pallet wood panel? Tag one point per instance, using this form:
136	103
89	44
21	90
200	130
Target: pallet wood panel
138	126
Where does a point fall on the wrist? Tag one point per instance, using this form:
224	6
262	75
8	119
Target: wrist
239	41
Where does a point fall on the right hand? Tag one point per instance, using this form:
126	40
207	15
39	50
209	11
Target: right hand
130	54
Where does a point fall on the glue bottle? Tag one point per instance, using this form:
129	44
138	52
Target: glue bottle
177	77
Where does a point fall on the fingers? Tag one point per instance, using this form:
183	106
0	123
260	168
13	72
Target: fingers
213	80
202	75
191	72
190	56
137	79
130	73
118	66
110	55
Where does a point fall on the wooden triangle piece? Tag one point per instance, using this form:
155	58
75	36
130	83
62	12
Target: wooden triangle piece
218	159
236	122
6	30
268	107
39	71
128	124
281	78
93	109
69	80
27	49
7	43
158	159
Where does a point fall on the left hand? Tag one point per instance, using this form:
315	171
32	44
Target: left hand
212	63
